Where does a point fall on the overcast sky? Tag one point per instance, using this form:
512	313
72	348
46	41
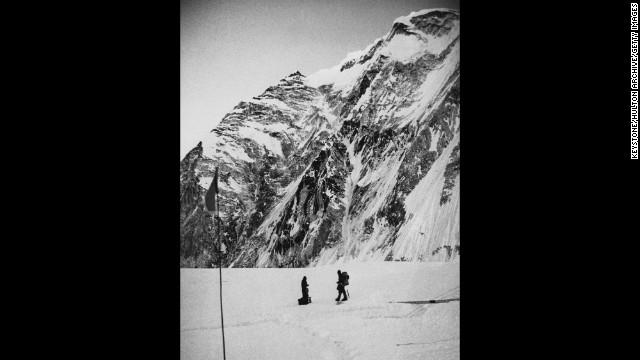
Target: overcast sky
233	50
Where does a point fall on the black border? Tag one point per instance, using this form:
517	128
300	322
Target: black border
546	177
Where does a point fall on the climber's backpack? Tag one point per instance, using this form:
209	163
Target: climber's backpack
345	279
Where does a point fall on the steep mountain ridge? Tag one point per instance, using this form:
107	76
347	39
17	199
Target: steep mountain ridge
360	161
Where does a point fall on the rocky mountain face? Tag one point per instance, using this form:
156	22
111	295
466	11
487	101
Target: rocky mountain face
360	161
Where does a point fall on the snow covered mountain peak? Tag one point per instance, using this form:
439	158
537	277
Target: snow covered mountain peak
296	75
411	37
359	161
434	16
435	27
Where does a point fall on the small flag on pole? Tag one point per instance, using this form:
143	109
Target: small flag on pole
211	198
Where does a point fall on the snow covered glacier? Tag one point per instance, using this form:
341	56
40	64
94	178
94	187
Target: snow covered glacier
262	318
357	162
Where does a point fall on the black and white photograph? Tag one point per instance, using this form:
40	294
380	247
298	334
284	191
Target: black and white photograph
317	210
320	179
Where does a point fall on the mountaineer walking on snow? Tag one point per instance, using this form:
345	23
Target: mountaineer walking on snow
343	280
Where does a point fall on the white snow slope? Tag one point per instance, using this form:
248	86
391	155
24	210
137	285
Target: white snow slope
262	318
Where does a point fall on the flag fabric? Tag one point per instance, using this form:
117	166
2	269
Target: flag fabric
211	198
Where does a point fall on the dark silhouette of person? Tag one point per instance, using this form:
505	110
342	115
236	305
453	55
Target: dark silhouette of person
305	288
341	287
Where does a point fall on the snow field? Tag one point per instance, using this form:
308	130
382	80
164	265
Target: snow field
404	48
430	225
262	319
272	144
436	83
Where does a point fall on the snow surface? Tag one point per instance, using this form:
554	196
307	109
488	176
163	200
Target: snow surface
430	225
262	319
213	144
235	186
404	48
381	181
437	82
275	102
272	144
341	80
355	55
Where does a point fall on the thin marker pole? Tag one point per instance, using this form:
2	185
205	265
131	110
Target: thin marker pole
220	267
211	202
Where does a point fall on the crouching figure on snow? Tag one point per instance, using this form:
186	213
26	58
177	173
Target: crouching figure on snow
305	299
